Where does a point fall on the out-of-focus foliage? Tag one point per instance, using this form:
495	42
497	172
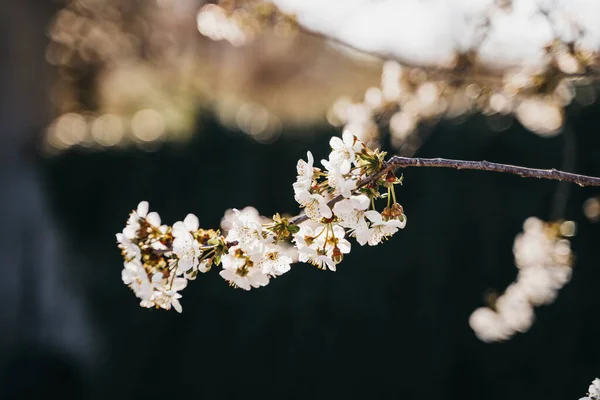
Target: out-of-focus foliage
140	71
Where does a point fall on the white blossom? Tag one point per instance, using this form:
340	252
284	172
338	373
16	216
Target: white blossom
515	309
246	231
315	206
253	248
272	261
153	219
488	325
185	246
343	152
544	262
320	244
133	222
289	250
131	250
142	209
593	391
337	240
248	213
305	171
322	261
237	272
351	211
307	241
378	230
134	275
167	296
341	183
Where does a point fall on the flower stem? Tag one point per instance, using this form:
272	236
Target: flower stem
388	198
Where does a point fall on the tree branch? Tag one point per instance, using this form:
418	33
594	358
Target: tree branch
405	162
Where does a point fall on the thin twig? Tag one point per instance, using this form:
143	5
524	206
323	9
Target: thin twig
405	162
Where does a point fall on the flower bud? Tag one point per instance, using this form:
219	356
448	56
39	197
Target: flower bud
390	177
337	256
397	212
386	214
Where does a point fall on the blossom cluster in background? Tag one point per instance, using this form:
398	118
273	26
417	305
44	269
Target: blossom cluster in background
449	74
339	202
526	60
543	256
410	97
504	58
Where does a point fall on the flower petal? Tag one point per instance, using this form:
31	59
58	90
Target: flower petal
361	202
344	246
153	219
191	222
345	167
374	216
177	305
325	210
343	207
336	143
142	209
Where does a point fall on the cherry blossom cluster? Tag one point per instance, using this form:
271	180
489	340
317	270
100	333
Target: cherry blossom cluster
543	256
339	202
321	242
159	259
593	391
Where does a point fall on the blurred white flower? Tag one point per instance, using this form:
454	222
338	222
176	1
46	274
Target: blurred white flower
593	391
488	325
544	262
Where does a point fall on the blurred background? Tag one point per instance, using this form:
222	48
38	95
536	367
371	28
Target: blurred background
108	103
